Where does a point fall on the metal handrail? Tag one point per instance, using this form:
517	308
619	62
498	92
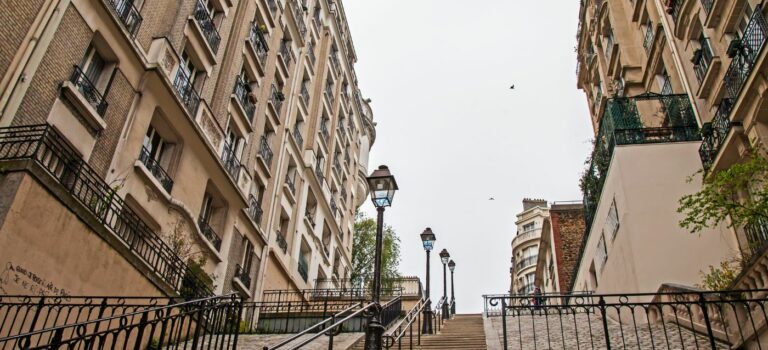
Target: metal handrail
397	334
316	326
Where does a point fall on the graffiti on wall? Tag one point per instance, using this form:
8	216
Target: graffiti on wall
16	279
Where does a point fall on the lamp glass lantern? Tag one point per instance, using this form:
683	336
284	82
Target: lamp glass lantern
382	186
444	256
428	239
451	265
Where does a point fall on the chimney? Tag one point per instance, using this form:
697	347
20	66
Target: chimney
529	203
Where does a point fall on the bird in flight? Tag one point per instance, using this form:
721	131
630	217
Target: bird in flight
491	199
512	87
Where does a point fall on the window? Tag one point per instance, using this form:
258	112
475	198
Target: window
188	68
620	87
665	82
529	227
154	144
702	58
207	208
746	15
94	74
601	256
612	222
247	255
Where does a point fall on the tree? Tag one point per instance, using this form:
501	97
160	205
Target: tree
363	252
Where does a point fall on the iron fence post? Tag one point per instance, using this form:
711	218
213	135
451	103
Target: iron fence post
604	316
330	332
704	311
504	321
287	317
239	306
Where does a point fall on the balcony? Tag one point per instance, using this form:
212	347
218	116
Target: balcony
757	235
707	5
285	53
209	233
324	131
329	94
526	236
297	135
303	268
290	184
674	8
346	157
128	15
319	174
89	91
664	118
526	262
745	52
341	129
343	195
309	216
265	151
186	92
299	17
259	43
156	169
231	163
254	210
334	207
276	98
242	91
649	35
311	53
281	243
702	59
304	93
272	5
243	276
205	22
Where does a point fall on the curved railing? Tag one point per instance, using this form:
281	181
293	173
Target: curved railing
525	236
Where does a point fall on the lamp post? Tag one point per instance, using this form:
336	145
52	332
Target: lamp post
444	256
452	266
428	240
382	185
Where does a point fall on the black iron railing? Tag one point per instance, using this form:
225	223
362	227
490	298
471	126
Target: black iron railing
329	93
340	126
324	130
406	326
673	318
707	5
231	163
43	145
254	210
303	268
242	90
757	234
714	133
310	216
276	99
334	207
337	163
298	15
243	275
290	183
674	8
209	233
186	91
702	59
343	194
285	52
319	172
89	91
622	124
346	157
156	169
265	151
272	5
525	262
206	24
259	43
188	324
650	32
281	243
304	93
128	14
311	52
297	135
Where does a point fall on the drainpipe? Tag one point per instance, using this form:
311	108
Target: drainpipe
28	58
676	58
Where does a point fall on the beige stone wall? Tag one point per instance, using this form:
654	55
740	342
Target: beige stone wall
46	250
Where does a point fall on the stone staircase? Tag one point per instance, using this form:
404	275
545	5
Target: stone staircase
461	332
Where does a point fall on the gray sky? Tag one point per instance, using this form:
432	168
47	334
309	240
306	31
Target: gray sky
454	134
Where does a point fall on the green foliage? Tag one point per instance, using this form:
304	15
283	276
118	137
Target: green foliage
363	251
738	193
195	280
721	277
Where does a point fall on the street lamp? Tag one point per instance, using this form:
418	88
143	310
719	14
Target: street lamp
452	266
382	185
428	240
444	256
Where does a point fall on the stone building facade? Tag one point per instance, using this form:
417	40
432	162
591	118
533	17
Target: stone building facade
153	146
562	236
525	245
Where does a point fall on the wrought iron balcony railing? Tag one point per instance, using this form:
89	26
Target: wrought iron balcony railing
525	262
337	164
342	130
265	151
186	92
622	124
650	32
311	52
674	8
609	44
303	268
285	52
243	275
297	135
209	233
205	22
254	209
272	5
346	157
89	91
43	145
319	173
231	163
310	216
757	235
156	169
281	243
298	15
304	93
702	59
343	195
746	51
324	131
242	91
276	99
707	5
259	43
128	14
334	207
290	183
329	94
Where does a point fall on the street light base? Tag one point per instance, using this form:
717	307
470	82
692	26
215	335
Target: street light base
427	322
373	335
446	312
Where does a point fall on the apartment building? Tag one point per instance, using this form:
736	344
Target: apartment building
669	88
562	236
177	147
525	245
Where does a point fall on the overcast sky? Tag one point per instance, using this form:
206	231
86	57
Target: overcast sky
453	133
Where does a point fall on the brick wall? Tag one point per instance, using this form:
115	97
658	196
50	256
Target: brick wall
21	13
568	235
66	50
